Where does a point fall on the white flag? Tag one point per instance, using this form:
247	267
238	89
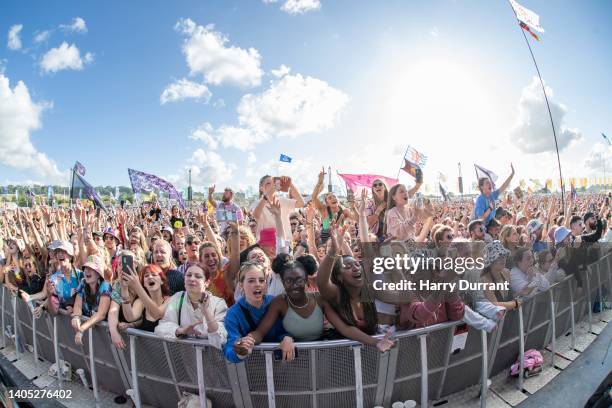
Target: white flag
527	16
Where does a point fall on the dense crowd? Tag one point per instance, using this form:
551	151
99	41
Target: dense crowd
285	270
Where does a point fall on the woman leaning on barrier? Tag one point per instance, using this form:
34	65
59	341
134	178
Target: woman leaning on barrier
494	260
244	316
63	283
302	314
92	299
153	295
525	279
195	311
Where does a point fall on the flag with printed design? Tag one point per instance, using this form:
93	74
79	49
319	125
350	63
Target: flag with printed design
79	168
410	167
284	158
526	16
443	191
481	172
145	182
414	156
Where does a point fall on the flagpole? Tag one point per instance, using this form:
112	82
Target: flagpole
547	105
402	162
72	183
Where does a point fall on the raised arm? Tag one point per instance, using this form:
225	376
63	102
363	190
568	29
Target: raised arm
418	184
295	194
274	312
327	288
211	192
317	190
234	262
506	183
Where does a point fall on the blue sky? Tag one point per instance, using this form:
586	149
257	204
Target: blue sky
452	78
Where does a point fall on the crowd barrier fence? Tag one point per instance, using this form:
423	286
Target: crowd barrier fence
340	373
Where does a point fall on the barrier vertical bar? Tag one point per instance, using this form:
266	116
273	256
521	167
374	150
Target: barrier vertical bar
313	376
424	375
172	372
270	379
521	348
553	324
35	341
134	367
485	369
589	305
572	317
56	352
92	364
3	326
446	359
358	377
391	370
201	380
16	328
383	365
602	304
232	374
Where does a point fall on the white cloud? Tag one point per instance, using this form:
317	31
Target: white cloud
300	6
42	36
239	137
599	155
292	106
281	71
183	89
205	134
434	32
251	158
532	132
207	53
64	57
19	116
14	40
76	26
207	168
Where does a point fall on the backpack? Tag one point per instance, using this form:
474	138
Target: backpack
532	364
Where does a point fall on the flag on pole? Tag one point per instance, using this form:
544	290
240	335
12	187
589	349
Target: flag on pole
358	182
415	156
410	167
116	193
16	194
573	190
285	158
549	184
443	191
80	169
49	192
442	177
145	182
527	17
481	172
80	188
606	139
526	28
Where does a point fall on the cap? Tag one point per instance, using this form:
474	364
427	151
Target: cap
113	232
493	251
64	246
168	230
560	234
533	226
95	262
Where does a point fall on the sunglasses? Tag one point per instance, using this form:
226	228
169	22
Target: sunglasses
377	185
193	242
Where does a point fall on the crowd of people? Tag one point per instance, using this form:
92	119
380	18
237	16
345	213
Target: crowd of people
291	270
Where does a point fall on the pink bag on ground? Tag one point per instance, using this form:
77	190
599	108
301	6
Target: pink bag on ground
532	363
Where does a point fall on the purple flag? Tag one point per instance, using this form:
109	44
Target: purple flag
80	188
79	168
145	182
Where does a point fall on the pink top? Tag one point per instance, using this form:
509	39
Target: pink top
400	224
423	314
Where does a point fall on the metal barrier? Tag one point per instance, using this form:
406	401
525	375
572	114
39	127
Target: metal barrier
339	373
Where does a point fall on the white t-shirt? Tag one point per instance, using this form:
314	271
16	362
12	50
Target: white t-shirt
266	219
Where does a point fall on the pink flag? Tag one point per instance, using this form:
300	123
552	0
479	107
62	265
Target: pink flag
357	182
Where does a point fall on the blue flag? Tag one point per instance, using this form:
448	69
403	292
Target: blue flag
606	138
285	158
49	192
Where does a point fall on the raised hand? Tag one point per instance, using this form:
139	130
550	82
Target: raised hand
211	190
